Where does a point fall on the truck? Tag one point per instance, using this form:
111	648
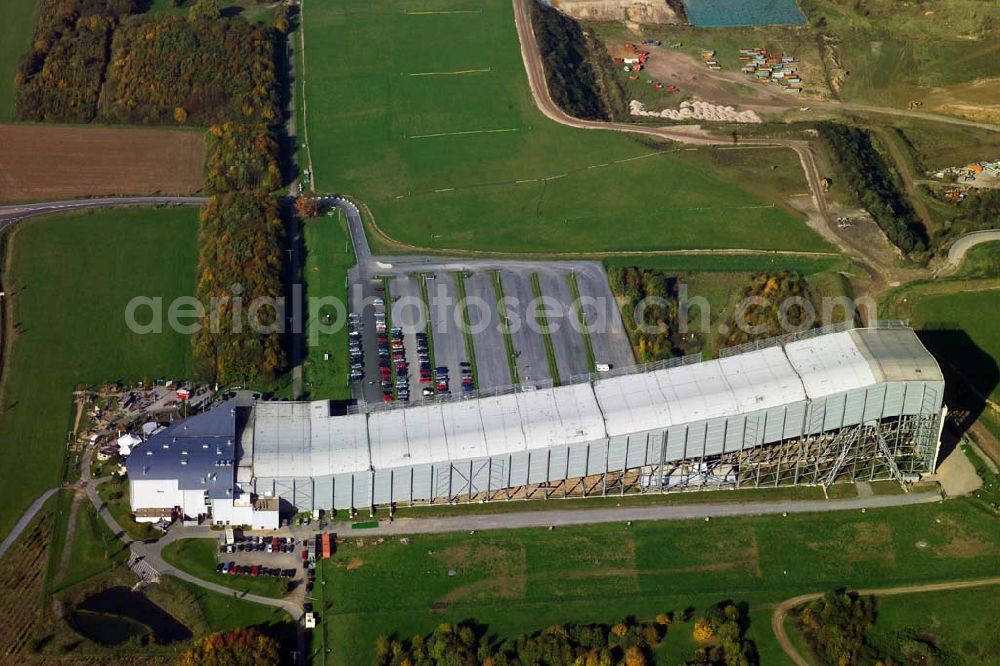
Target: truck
603	367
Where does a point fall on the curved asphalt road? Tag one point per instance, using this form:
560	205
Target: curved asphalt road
958	251
15	212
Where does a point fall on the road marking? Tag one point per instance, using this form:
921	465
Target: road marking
597	166
456	73
446	189
530	180
492	131
453	11
637	157
562	175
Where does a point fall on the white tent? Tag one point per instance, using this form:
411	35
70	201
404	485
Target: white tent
126	442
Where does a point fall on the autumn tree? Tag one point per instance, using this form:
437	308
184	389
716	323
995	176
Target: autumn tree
239	647
702	630
308	207
204	9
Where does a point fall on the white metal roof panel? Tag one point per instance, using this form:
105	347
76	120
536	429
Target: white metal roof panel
564	415
830	364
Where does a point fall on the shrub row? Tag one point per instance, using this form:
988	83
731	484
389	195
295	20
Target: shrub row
872	185
576	85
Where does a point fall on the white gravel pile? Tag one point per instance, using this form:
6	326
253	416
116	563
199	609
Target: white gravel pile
697	110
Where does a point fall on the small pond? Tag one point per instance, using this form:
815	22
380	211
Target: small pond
117	614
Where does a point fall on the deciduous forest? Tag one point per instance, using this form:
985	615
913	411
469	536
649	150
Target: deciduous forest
242	158
168	70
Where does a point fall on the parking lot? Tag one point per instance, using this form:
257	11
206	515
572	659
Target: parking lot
424	338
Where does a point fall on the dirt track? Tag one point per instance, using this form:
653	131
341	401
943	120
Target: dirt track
44	162
778	618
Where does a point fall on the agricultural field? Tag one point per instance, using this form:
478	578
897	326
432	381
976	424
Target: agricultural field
15	36
69	278
441	139
44	162
522	581
22	581
329	255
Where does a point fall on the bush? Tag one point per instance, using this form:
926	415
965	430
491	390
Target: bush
772	304
216	70
836	628
648	300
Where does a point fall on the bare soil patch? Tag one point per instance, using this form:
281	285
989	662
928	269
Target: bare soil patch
355	564
44	162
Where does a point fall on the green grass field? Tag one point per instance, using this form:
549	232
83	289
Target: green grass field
524	580
15	37
198	558
953	622
454	160
328	257
70	278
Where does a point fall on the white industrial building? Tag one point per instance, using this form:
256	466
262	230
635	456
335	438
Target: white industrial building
188	469
813	409
856	404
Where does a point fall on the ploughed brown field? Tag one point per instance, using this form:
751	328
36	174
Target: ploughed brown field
43	162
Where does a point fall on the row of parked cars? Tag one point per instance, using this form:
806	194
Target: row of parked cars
392	361
355	348
254	570
260	544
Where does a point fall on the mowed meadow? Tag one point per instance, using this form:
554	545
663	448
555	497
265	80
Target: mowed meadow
421	109
522	581
69	278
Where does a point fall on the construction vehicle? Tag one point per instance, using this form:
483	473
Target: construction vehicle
673	89
656	84
630	47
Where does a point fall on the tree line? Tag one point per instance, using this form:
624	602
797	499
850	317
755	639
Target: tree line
239	283
720	635
575	67
872	185
242	157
